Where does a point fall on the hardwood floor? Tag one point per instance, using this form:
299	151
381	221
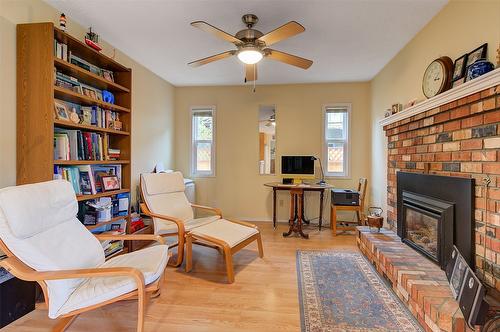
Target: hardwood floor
263	298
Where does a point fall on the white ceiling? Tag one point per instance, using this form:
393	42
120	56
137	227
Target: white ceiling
349	40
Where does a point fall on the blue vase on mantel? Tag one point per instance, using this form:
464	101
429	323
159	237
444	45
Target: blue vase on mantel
478	68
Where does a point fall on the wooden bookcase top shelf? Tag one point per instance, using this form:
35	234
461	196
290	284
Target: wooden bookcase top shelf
68	95
80	49
87	77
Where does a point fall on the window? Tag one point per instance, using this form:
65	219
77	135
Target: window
203	136
336	144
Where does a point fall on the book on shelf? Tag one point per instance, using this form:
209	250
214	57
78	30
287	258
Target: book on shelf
60	50
87	179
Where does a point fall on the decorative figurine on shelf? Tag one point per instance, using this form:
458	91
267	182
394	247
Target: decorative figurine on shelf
62	22
92	40
374	218
108	97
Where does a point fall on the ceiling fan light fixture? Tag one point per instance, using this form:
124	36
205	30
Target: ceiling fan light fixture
250	55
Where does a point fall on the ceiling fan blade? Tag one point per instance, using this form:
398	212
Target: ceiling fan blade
285	31
216	32
250	73
290	59
212	58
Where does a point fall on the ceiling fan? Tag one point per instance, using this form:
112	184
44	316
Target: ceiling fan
252	45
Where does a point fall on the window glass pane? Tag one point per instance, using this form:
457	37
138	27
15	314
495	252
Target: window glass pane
336	125
203	126
203	157
335	158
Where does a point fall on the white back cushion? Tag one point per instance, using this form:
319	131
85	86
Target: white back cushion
38	224
164	194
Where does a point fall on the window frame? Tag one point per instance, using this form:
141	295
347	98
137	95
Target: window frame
193	160
346	142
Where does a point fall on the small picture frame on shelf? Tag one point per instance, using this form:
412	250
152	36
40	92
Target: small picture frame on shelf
86	116
108	75
395	108
459	67
61	112
478	53
110	183
115	227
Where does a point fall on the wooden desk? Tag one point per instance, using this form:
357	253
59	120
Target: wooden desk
294	203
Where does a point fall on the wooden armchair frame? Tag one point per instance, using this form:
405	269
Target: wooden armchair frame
181	230
22	271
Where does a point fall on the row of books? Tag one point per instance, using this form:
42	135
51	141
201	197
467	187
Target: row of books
62	52
87	179
72	144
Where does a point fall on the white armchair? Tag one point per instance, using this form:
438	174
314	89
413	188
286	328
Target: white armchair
44	242
166	203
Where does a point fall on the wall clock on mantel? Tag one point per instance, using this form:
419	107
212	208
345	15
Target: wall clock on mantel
437	77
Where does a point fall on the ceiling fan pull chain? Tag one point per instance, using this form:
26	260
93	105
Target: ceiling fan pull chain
254	66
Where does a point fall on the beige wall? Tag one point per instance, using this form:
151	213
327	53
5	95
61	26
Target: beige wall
460	27
237	187
152	98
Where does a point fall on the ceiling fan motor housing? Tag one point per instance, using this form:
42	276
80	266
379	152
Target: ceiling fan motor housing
250	20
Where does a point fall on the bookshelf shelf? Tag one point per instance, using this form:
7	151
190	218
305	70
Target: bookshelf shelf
87	77
99	195
68	95
71	125
100	224
91	162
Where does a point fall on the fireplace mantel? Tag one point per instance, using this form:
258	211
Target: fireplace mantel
486	81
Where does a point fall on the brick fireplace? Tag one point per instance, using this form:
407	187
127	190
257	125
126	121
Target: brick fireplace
460	138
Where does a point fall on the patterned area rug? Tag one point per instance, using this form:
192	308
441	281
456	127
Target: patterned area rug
341	291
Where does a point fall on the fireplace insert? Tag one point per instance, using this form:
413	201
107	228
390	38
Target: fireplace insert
427	226
434	213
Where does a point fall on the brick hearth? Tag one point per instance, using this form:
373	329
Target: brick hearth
418	282
460	138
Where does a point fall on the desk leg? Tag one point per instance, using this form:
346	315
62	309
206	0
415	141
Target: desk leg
293	210
321	195
303	208
274	208
299	219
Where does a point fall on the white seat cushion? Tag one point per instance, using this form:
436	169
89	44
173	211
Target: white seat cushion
150	261
166	227
229	232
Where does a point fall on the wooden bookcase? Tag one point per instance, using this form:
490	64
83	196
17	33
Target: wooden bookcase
36	92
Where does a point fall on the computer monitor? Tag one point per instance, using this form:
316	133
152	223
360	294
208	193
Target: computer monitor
297	167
